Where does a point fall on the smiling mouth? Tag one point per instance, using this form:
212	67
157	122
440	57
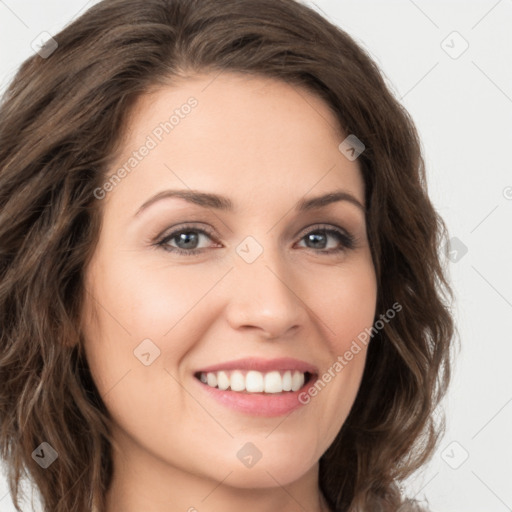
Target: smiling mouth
255	382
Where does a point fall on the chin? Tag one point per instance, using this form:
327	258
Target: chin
265	476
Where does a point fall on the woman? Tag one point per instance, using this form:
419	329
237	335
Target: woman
220	279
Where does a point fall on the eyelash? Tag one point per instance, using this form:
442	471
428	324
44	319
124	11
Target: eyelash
346	240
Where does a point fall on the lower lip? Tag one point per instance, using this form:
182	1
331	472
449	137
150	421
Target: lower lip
258	404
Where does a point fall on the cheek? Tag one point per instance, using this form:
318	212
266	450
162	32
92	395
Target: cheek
148	301
151	302
138	313
346	304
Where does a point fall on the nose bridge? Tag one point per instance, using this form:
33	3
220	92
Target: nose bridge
263	293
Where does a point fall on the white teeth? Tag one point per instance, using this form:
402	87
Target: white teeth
287	381
254	382
222	380
297	381
273	382
237	381
211	380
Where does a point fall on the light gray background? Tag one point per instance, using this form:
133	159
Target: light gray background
463	109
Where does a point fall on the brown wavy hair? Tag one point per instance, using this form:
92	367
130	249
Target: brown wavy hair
61	122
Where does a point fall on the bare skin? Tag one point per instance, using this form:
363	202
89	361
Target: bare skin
265	145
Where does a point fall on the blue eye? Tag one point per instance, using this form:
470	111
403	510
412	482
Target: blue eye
187	237
320	237
187	240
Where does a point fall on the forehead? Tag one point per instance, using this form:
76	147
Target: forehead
254	132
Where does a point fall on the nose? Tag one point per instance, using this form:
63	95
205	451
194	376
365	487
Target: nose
266	297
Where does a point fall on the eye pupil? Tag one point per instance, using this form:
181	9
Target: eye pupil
315	237
189	238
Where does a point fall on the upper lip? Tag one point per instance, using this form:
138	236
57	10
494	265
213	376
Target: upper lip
262	365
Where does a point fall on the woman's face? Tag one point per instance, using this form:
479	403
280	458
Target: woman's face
178	287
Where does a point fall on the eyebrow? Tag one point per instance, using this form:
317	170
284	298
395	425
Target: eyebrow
218	202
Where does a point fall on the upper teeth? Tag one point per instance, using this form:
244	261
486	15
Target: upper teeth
254	382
